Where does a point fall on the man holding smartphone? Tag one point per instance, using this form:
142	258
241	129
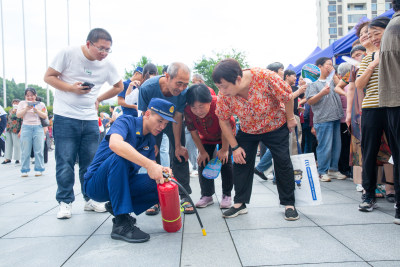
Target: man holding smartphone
75	127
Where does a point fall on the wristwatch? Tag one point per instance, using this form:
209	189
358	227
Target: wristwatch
234	148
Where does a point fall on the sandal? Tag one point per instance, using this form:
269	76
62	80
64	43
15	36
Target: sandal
186	207
390	198
153	210
379	193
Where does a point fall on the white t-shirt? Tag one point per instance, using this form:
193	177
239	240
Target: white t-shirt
133	97
75	67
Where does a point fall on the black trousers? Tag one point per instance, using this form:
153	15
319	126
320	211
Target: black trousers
207	185
179	169
344	159
373	124
393	135
278	143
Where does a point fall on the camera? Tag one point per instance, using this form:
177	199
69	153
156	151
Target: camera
32	104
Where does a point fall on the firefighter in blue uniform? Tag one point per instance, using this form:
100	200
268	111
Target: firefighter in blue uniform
113	174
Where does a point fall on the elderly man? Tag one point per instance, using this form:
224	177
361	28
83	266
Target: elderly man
172	87
77	74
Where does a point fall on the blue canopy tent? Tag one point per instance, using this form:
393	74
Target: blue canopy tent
338	48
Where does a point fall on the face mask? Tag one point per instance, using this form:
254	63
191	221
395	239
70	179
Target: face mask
15	106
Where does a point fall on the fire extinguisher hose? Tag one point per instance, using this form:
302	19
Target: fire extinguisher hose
191	202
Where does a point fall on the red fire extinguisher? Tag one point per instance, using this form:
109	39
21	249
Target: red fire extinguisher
168	195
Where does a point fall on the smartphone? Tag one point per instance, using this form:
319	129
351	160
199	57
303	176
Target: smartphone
87	84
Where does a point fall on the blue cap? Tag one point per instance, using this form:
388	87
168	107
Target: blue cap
163	107
139	69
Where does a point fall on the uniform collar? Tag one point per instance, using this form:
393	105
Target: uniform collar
139	126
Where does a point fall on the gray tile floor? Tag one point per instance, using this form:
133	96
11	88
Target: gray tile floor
333	234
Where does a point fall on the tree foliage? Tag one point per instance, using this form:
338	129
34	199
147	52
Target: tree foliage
15	90
143	61
205	66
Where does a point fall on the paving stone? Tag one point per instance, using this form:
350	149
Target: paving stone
289	246
40	251
342	214
31	208
260	218
211	218
215	249
161	250
336	264
385	263
373	242
330	197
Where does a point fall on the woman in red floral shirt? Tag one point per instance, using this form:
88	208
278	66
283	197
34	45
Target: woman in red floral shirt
264	104
204	128
13	131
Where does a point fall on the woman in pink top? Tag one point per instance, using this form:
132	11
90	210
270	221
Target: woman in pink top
32	131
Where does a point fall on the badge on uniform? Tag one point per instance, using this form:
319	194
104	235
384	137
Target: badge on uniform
138	133
146	148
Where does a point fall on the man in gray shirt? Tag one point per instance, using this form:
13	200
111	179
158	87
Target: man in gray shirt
327	108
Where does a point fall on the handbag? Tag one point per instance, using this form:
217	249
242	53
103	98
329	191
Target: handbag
45	122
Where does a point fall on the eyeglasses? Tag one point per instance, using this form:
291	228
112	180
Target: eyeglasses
102	50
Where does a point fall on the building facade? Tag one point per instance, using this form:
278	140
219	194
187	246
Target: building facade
336	18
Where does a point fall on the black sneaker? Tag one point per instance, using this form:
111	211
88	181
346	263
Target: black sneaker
17	162
397	215
233	212
367	205
109	207
261	174
291	214
127	231
6	162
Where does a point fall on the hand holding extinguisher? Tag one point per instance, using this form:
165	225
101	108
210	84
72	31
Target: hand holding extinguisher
156	171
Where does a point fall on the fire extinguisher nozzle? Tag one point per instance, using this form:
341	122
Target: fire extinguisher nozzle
204	232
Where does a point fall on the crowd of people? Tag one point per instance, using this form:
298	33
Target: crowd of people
349	118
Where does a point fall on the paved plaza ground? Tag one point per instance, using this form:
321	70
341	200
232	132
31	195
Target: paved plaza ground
333	234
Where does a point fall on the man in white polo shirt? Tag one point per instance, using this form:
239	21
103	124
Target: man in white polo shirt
77	74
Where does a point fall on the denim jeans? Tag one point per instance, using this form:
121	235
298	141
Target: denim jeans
265	162
73	138
164	151
329	145
32	136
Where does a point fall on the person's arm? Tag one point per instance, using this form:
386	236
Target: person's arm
350	97
51	77
115	90
41	114
315	99
291	120
126	151
177	130
121	102
336	79
223	153
22	111
365	72
339	89
203	156
238	153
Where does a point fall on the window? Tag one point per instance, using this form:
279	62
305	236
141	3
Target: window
332	19
331	41
374	7
355	18
356	7
388	6
332	8
332	30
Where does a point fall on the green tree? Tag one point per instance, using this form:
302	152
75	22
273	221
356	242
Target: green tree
143	61
205	65
15	90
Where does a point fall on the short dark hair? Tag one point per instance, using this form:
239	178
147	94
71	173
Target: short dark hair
275	67
112	107
30	89
38	98
149	69
198	92
396	5
228	69
16	100
360	27
165	68
380	22
98	33
288	72
357	48
321	61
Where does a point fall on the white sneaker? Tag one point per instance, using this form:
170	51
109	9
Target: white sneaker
324	178
336	175
270	176
38	173
64	211
92	205
359	188
24	174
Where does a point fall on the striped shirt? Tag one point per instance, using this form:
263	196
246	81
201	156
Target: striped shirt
371	99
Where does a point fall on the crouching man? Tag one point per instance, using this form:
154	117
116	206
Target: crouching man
113	174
